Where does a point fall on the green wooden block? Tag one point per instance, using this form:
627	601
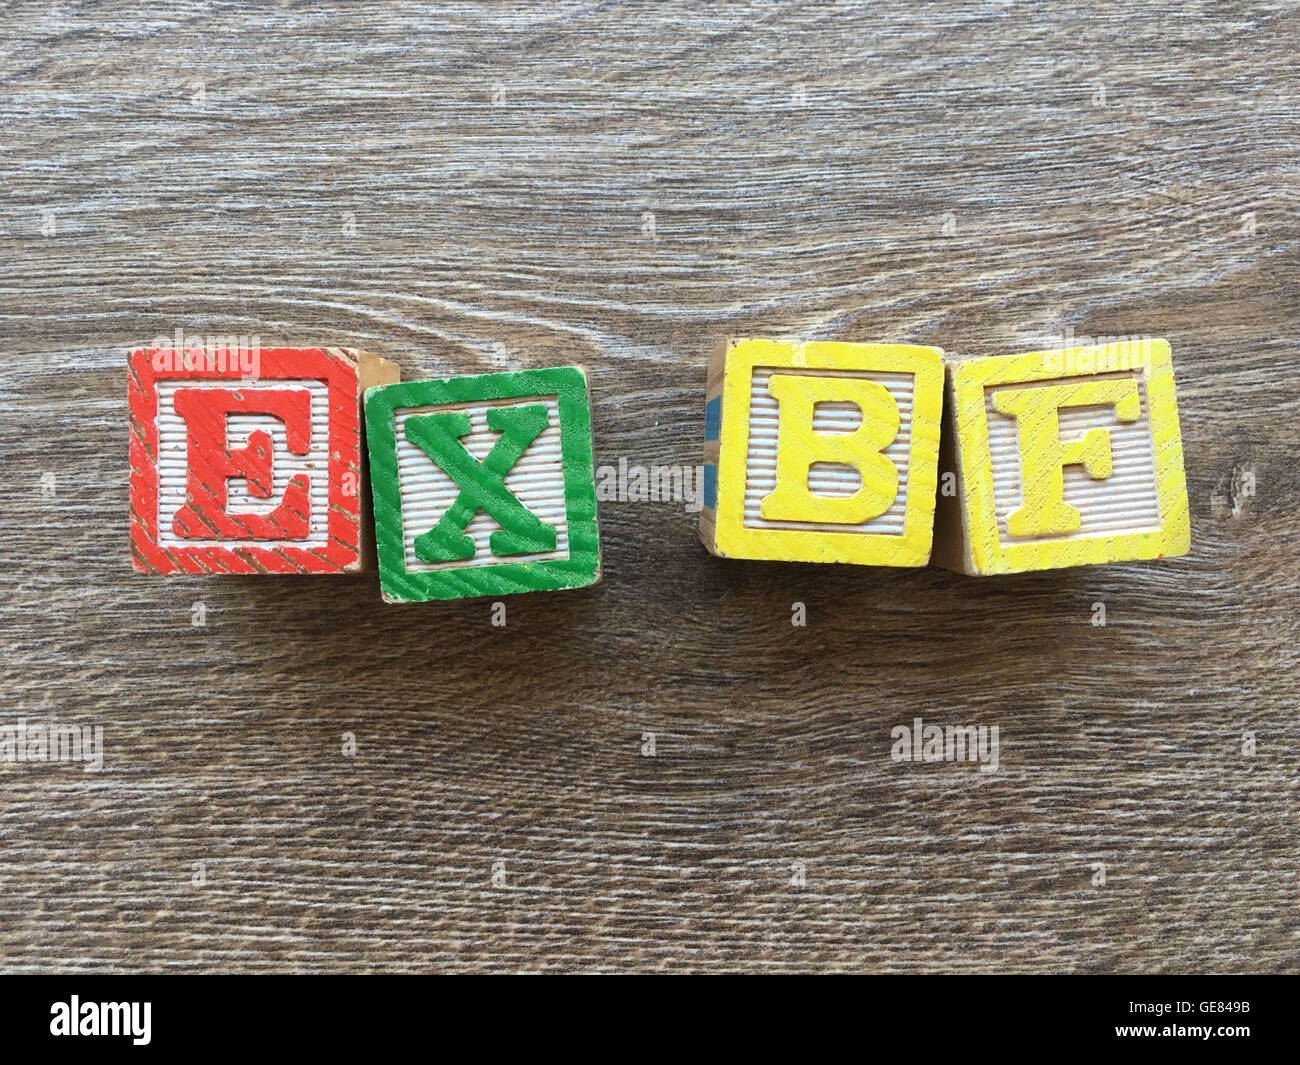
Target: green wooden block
483	485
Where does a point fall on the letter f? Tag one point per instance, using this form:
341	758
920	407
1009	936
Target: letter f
1044	455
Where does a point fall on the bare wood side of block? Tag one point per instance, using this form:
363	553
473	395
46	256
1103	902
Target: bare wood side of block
714	378
951	542
372	370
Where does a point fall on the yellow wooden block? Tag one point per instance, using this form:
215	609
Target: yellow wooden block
824	452
1062	458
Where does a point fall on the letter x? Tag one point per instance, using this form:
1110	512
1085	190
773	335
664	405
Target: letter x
482	484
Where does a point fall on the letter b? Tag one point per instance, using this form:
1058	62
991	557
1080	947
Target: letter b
800	447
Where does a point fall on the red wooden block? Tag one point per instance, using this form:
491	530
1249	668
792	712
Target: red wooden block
246	464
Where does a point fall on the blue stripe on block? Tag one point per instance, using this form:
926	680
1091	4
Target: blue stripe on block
711	485
713	418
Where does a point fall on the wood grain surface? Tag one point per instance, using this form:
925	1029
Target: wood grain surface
660	773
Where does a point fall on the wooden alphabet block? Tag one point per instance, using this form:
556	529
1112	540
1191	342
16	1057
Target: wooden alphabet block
823	452
483	485
1063	458
248	460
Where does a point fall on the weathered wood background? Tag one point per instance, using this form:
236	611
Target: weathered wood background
460	188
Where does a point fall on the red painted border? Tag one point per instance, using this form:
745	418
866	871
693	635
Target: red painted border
343	524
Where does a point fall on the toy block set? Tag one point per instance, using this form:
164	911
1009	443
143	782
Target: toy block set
483	485
827	452
235	472
1064	458
822	452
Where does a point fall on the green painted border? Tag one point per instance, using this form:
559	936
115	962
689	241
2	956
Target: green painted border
580	569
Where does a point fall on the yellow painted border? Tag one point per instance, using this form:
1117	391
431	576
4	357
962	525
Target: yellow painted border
734	540
970	379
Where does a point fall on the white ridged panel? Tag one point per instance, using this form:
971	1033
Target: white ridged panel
828	479
173	461
428	492
1124	502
